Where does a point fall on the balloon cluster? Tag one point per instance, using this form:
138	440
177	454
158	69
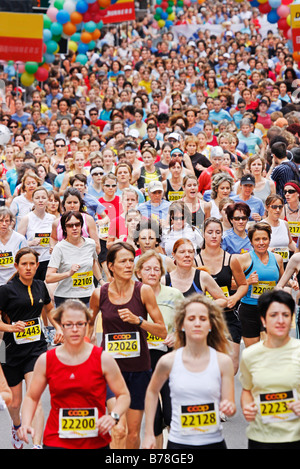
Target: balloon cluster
278	12
80	21
165	11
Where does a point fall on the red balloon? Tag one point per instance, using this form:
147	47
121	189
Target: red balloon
264	8
87	16
93	7
41	74
287	2
282	24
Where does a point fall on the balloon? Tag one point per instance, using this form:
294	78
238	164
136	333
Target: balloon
56	29
69	28
82	6
82	48
51	46
296	55
264	8
104	3
69	6
63	17
47	22
161	23
20	66
90	26
76	18
31	67
274	3
27	79
75	37
282	24
288	20
86	37
59	4
287	2
73	46
42	74
51	13
96	34
283	11
49	58
82	59
273	17
47	35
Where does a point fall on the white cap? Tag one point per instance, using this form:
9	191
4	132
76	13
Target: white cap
155	186
216	152
174	135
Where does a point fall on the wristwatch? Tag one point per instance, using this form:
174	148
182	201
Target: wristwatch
141	320
115	416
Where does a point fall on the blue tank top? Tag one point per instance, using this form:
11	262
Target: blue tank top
268	275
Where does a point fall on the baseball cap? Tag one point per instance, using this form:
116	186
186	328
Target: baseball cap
247	179
174	135
43	130
127	67
155	186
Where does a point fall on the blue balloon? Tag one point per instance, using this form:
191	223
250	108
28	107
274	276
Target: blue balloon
82	48
274	3
273	17
81	58
255	4
75	37
82	6
47	35
49	58
63	17
51	46
164	15
56	29
169	24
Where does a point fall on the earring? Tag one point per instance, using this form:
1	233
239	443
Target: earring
183	329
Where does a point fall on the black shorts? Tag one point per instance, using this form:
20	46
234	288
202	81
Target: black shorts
137	383
15	374
234	325
103	253
250	320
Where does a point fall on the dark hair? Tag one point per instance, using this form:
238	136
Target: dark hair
147	225
279	150
72	191
230	209
260	226
66	217
279	296
114	249
22	252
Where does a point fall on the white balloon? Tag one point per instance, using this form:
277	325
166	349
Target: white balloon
70	6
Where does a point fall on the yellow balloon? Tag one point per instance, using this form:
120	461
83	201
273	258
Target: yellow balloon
27	79
288	20
262	1
161	23
73	46
171	17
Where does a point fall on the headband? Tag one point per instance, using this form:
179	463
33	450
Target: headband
295	186
176	150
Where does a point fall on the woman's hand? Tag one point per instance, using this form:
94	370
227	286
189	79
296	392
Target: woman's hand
127	316
250	411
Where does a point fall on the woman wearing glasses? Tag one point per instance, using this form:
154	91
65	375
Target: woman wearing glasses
281	239
74	262
77	374
235	240
291	212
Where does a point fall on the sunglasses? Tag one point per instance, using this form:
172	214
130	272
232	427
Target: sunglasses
178	218
75	225
60	146
13	126
98	174
110	185
275	207
289	191
243	218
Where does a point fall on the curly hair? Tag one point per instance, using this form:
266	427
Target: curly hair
217	180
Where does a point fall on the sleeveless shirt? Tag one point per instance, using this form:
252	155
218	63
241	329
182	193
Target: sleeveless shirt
114	328
75	387
194	288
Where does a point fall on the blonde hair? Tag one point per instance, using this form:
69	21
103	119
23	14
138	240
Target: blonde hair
218	337
76	305
144	258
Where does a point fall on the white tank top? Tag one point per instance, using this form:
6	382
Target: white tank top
195	399
40	228
215	212
280	240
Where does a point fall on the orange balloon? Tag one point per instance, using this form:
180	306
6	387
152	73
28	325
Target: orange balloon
46	66
76	18
86	37
104	3
296	56
96	34
69	28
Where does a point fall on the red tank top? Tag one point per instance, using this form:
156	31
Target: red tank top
75	387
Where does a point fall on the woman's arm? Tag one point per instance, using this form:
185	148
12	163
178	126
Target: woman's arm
240	280
5	392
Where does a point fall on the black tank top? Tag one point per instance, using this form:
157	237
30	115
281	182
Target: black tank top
172	194
224	277
194	288
112	323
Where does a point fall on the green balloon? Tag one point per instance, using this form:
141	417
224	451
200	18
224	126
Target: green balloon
31	67
157	17
47	22
59	4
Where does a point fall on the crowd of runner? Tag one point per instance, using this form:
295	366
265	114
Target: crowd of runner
149	238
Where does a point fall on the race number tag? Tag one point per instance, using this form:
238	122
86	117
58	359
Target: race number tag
273	406
6	259
224	289
283	252
202	418
261	287
103	231
31	333
156	343
82	279
78	423
294	227
123	344
44	238
175	195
